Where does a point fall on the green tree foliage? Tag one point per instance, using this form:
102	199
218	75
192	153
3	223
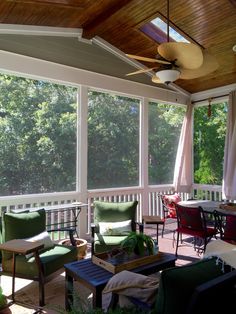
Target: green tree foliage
113	141
38	139
37	136
209	140
165	122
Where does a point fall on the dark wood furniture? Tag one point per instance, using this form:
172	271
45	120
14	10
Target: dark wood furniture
227	225
27	225
95	278
20	246
153	220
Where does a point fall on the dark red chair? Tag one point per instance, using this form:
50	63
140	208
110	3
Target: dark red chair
191	221
227	226
168	207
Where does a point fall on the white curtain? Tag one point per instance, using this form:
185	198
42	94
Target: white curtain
229	171
183	173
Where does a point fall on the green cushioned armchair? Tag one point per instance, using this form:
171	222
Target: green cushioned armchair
52	258
197	288
112	223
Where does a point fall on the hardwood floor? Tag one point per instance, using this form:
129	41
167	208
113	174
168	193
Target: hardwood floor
186	252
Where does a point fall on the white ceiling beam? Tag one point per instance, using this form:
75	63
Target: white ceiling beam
15	64
16	29
214	92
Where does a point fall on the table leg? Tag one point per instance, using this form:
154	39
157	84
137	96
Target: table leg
41	279
68	292
157	233
76	216
13	275
97	298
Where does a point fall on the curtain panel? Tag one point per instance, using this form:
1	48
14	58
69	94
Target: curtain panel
183	172
229	170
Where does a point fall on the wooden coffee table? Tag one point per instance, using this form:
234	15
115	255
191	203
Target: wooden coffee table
95	277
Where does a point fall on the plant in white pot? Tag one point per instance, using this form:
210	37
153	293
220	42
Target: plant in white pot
138	243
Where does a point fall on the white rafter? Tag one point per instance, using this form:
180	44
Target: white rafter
16	29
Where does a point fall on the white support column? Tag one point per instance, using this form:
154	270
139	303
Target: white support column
82	146
143	153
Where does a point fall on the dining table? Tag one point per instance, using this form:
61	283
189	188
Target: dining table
211	207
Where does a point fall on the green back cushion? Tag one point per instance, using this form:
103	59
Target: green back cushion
24	225
113	212
177	285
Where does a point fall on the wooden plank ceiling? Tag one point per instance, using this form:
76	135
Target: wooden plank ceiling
211	24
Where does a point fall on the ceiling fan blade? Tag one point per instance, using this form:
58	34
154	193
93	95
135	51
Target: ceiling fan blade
147	59
209	65
155	79
187	55
141	71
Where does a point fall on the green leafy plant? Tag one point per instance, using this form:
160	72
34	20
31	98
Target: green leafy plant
139	243
3	300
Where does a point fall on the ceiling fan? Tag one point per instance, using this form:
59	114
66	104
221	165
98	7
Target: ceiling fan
179	60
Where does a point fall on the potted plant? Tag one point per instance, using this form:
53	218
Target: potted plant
3	302
81	245
139	243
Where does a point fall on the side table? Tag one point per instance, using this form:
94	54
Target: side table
153	220
19	246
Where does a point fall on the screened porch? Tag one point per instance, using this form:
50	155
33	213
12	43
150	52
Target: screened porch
123	142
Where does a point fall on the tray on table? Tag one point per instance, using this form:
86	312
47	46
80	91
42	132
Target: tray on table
229	206
122	261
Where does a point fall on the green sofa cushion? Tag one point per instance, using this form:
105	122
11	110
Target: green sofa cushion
177	285
51	260
113	212
110	242
22	226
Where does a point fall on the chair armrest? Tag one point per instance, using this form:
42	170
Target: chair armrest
140	226
70	230
94	229
216	289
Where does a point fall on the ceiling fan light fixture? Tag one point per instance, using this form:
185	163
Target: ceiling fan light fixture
169	75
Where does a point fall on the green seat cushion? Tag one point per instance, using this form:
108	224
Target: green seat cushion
107	243
177	285
52	260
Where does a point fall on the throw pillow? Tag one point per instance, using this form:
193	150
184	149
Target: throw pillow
172	198
43	238
115	228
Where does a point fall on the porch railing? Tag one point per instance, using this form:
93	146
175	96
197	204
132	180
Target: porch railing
148	202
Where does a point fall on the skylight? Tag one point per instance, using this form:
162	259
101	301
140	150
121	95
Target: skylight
157	30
